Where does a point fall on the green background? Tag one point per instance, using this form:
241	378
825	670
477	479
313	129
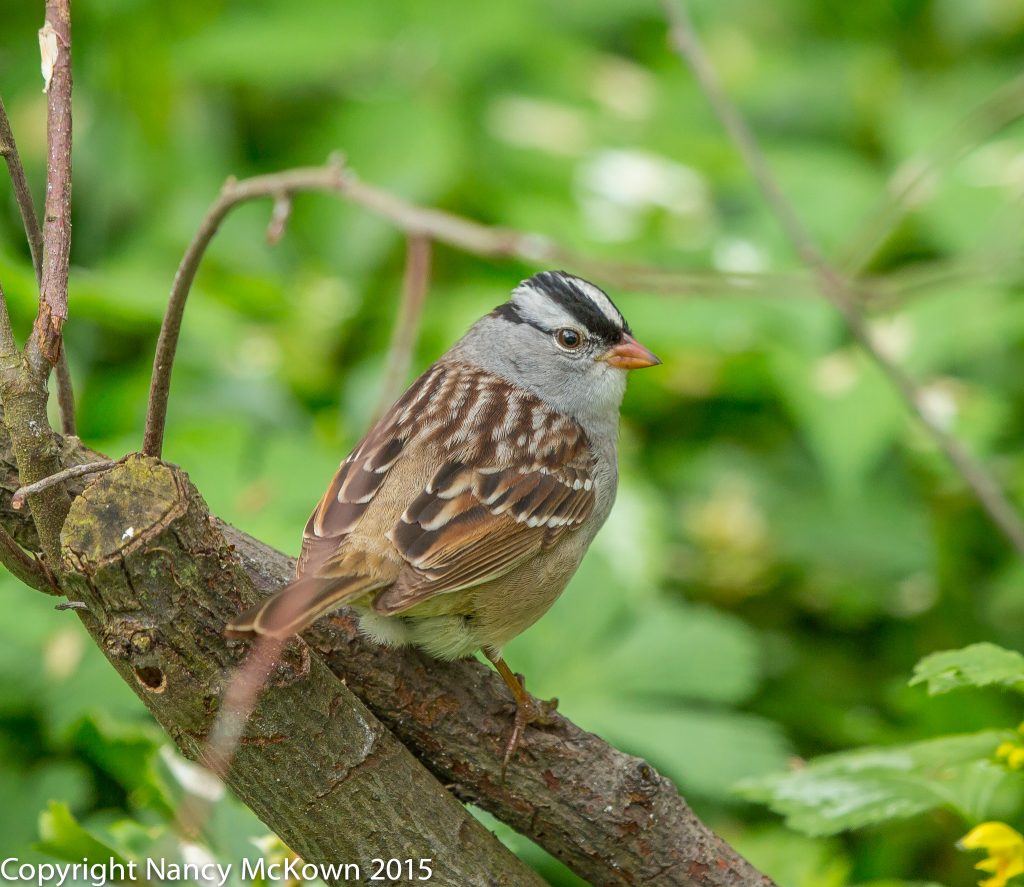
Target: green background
787	542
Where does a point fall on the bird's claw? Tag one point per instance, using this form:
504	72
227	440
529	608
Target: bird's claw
528	711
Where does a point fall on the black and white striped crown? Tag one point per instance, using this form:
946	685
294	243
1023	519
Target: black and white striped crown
553	299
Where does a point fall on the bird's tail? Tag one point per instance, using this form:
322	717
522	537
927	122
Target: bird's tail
296	606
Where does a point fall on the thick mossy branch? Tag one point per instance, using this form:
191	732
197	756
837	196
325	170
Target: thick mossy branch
35	447
159	581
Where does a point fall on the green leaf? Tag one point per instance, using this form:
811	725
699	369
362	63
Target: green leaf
793	860
705	752
874	785
24	796
124	752
978	665
64	838
691	652
844	406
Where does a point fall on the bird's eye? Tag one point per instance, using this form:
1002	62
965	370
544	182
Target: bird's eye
568	338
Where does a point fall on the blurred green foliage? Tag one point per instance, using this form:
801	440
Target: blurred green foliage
787	543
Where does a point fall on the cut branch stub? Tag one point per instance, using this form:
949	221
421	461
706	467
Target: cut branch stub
159	581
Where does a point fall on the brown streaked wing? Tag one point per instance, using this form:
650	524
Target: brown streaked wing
471	525
516	478
363	473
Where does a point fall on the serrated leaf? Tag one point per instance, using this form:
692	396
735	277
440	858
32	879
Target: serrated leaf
64	838
875	785
978	665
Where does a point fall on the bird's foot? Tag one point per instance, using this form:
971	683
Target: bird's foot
528	711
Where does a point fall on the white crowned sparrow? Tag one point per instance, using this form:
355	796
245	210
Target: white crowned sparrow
460	518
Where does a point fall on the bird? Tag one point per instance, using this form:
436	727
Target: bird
461	516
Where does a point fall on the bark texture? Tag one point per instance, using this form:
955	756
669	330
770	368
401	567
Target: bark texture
160	580
53	297
158	601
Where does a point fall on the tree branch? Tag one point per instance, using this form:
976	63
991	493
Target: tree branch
34	235
438	226
53	297
608	816
915	179
34	446
22	192
20	565
415	284
833	285
18	499
314	764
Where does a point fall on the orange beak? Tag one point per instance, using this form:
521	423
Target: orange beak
629	354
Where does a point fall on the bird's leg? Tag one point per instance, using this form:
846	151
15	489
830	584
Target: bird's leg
528	709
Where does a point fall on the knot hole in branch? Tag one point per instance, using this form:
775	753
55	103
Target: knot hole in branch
151	677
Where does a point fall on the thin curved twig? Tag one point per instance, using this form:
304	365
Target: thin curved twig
34	235
18	499
442	227
915	180
832	284
415	284
22	193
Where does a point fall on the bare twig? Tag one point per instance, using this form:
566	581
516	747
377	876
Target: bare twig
20	565
916	179
9	151
279	218
832	284
53	298
438	226
415	284
8	347
65	393
18	500
34	235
